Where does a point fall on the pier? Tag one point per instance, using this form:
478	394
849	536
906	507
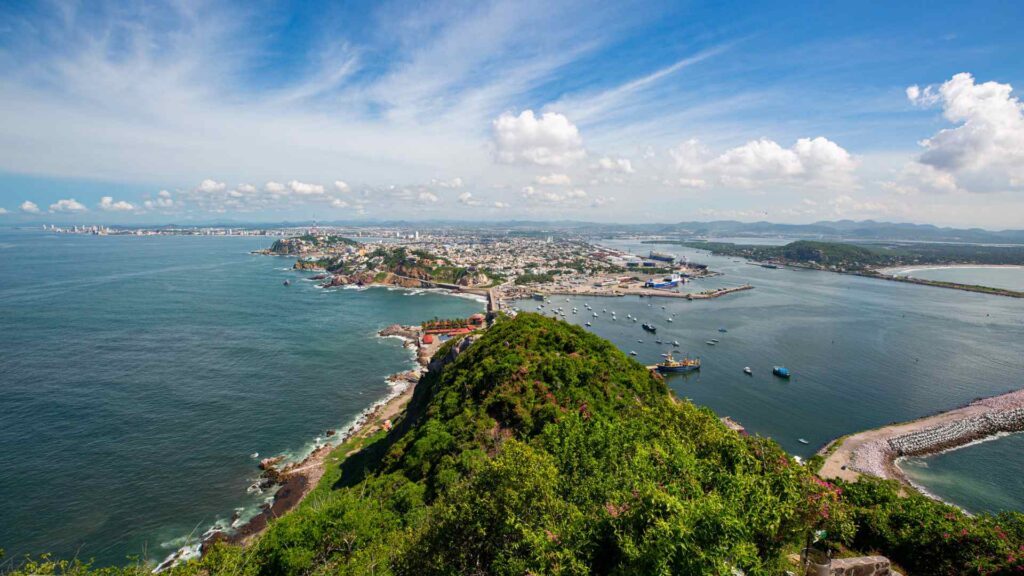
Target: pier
618	291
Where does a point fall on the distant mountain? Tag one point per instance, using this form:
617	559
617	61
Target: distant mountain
849	230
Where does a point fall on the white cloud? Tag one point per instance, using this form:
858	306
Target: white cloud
501	205
615	165
576	193
554	180
338	203
467	199
763	161
211	186
454	183
247	189
341	186
3	211
425	196
68	205
274	187
107	204
29	207
305	189
550	140
985	151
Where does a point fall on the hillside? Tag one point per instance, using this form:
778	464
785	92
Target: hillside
855	257
543	449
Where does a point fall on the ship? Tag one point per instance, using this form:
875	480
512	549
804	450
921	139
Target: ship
663	256
672	365
649	327
667	282
781	371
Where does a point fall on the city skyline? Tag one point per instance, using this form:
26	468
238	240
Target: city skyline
209	112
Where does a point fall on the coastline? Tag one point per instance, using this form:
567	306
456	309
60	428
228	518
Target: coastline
296	480
877	452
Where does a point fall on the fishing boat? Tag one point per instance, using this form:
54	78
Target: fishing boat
649	327
781	371
748	371
672	365
802	441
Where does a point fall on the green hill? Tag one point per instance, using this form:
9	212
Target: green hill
543	449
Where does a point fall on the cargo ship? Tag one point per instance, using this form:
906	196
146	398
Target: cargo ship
672	365
663	256
667	282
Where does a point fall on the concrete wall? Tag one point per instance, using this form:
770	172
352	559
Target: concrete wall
861	566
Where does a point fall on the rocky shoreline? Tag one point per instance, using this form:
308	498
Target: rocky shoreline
297	479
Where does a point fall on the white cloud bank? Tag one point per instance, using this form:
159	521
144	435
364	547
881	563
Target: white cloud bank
107	204
29	207
548	140
67	205
984	152
763	162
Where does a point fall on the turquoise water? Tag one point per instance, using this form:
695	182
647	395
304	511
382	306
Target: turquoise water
997	485
1008	277
863	353
140	374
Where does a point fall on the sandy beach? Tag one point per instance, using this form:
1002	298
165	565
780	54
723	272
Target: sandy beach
875	451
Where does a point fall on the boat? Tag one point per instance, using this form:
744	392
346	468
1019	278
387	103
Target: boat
588	324
668	319
748	371
715	340
675	343
658	341
667	282
649	327
640	341
802	441
632	353
287	282
710	342
672	365
781	371
722	330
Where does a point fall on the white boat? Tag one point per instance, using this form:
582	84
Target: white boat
632	353
675	343
668	319
802	441
747	370
588	324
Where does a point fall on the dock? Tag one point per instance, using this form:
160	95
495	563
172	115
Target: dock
618	291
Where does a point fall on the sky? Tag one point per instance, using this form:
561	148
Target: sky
179	111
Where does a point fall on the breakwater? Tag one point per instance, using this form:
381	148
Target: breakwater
953	434
875	452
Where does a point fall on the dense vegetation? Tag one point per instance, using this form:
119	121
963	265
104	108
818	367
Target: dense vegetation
846	256
308	242
535	278
544	449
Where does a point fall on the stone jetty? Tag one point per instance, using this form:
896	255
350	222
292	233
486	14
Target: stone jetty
875	451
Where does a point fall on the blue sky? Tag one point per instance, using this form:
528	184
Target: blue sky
632	111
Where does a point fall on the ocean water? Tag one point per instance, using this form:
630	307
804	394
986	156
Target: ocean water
863	353
999	487
139	374
1008	277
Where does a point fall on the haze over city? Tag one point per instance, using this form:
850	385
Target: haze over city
168	112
